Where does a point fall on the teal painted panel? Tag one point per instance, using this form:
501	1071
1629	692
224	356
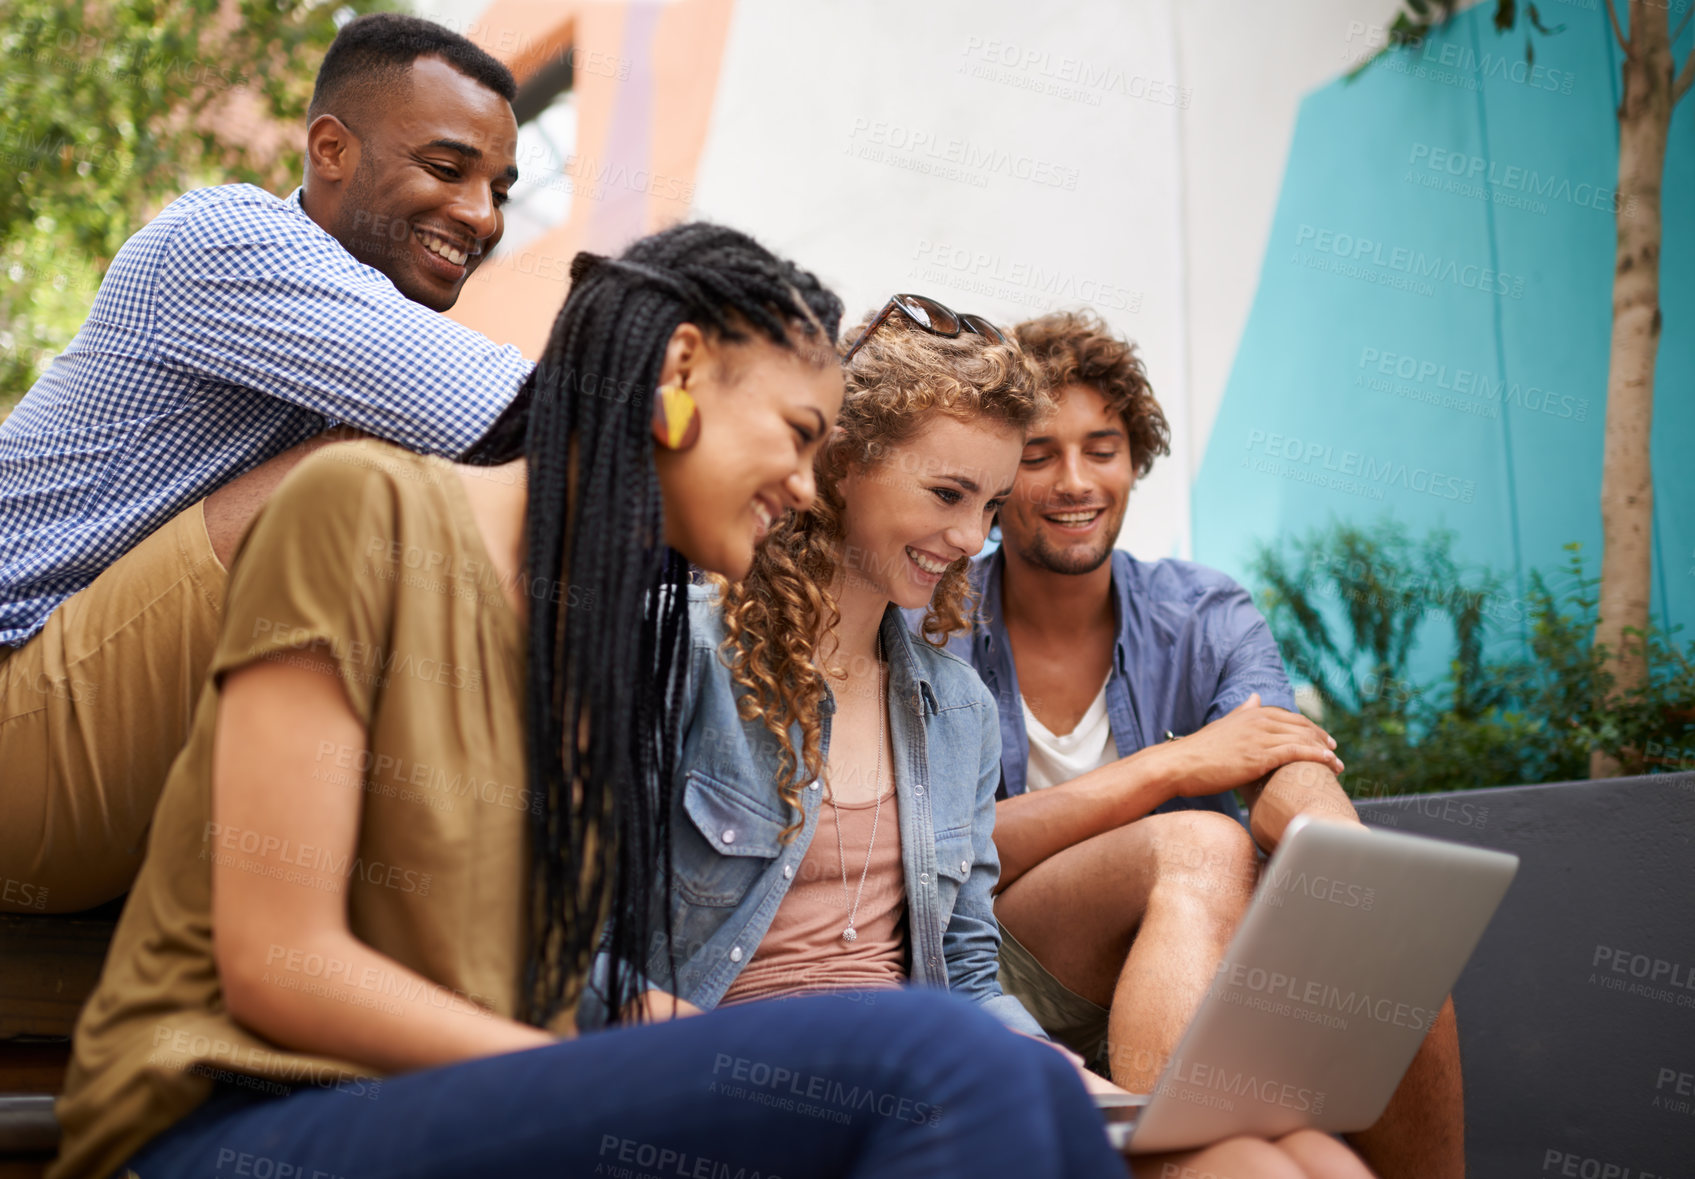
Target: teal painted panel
1430	333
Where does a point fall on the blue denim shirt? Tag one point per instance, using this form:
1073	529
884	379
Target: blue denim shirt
733	870
1191	646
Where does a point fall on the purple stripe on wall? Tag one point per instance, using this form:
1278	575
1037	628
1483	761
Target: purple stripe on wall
620	213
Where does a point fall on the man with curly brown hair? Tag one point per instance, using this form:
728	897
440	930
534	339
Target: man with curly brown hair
1125	862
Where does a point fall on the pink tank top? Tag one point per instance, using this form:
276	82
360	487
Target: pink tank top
803	951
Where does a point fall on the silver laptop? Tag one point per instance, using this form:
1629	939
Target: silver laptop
1354	938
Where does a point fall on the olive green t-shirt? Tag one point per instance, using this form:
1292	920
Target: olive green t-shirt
369	554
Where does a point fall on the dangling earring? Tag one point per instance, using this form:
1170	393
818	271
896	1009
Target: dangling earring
676	418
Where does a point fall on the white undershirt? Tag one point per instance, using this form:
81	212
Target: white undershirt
1060	758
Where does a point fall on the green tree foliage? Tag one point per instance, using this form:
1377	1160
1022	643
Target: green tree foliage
114	108
1347	606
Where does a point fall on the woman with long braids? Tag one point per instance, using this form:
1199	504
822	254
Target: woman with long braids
833	820
435	753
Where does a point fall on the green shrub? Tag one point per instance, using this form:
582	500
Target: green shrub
1525	696
113	109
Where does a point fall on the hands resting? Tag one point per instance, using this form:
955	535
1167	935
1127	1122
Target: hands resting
1243	746
657	1006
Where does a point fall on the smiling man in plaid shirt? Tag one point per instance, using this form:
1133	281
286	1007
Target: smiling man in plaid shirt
231	336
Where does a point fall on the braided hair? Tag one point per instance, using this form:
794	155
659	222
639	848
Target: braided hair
609	636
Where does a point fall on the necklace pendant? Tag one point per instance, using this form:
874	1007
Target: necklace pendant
850	934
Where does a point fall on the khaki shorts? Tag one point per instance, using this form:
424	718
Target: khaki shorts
1064	1014
93	711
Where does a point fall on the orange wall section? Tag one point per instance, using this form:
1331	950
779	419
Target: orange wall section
515	295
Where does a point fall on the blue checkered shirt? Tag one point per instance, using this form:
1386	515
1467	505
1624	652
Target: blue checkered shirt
230	328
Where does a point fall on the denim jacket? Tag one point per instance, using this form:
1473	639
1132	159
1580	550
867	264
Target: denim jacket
732	870
1190	647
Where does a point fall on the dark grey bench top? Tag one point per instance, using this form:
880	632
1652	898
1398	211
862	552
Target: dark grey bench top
27	1125
1577	1012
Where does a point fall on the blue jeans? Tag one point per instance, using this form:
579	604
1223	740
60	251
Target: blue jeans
905	1083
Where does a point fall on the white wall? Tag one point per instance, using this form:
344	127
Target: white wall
1166	123
1006	158
1248	65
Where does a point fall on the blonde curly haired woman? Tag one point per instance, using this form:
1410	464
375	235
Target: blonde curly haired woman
833	820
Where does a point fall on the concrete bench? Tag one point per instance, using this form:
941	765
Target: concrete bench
48	967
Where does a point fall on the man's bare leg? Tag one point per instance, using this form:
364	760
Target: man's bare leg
1238	1158
1305	1154
1136	920
84	778
231	508
1422	1132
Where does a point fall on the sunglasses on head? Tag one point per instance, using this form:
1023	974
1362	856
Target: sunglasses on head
933	317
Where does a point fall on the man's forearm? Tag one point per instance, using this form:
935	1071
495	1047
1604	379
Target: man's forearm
1032	826
1301	787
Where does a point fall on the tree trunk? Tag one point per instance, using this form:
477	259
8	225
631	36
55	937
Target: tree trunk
1627	486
